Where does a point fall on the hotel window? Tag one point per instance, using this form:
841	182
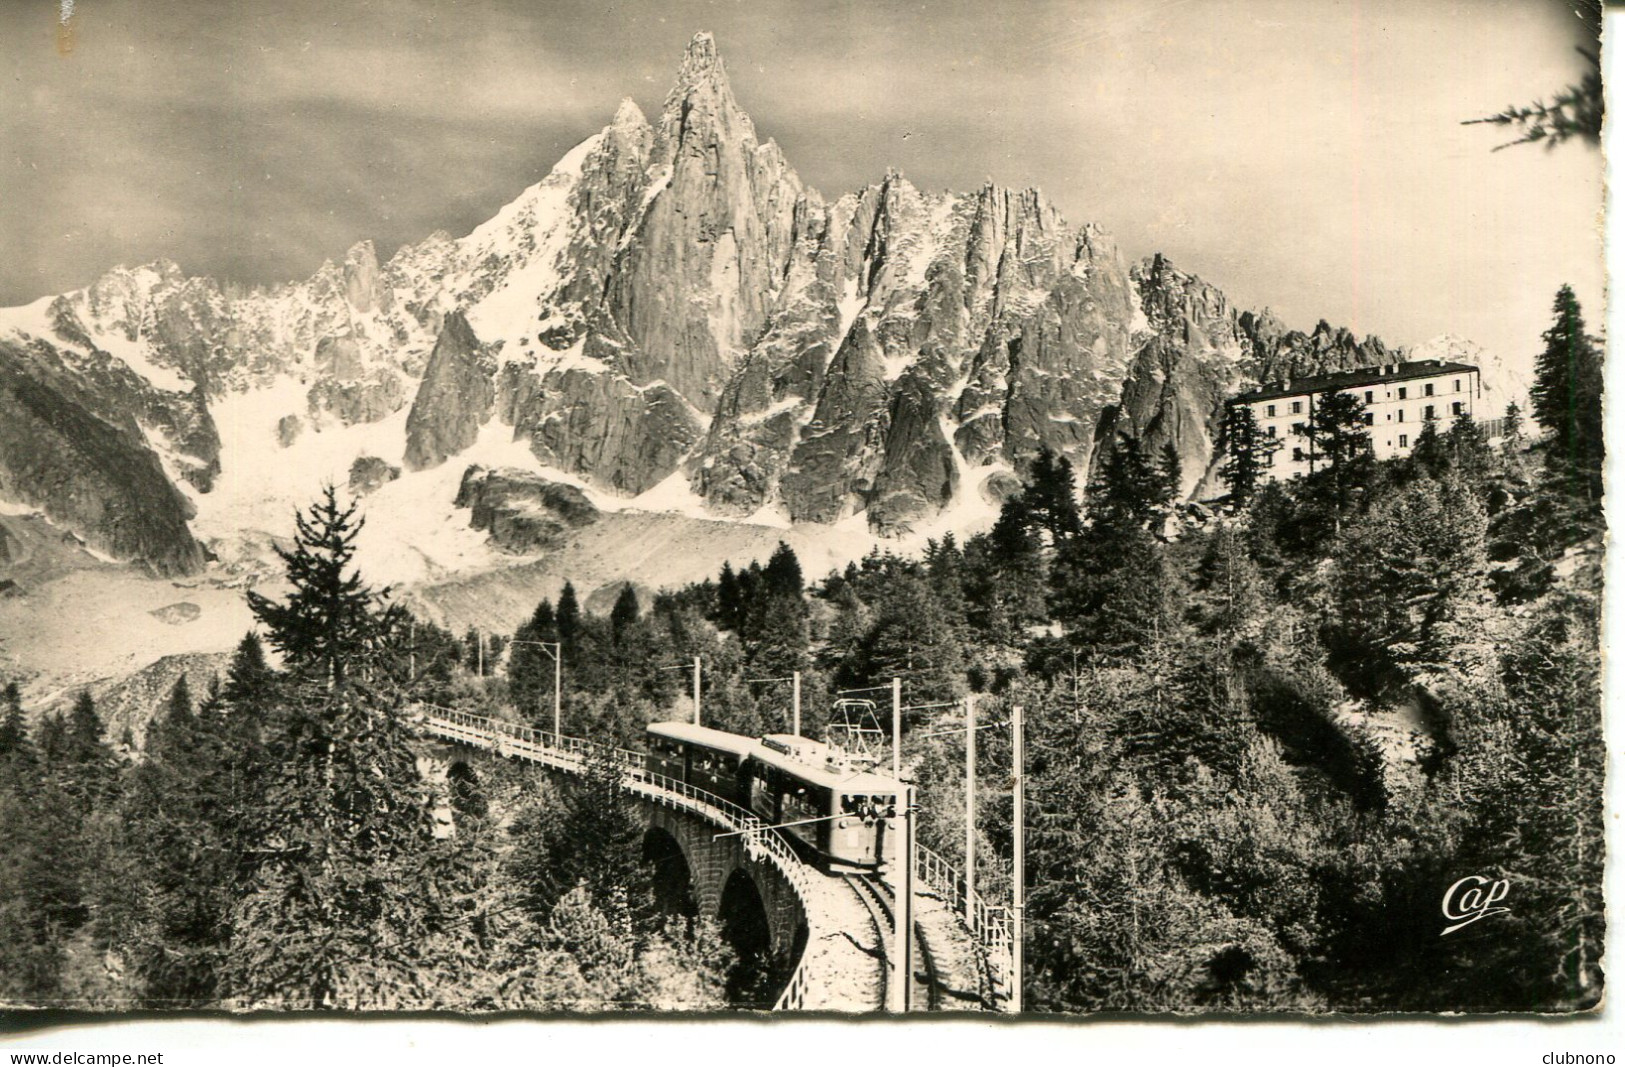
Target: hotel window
1427	390
1427	412
1297	428
1401	415
1269	412
1402	392
1404	441
1370	418
1458	385
1269	431
1298	456
1368	396
1297	407
1455	409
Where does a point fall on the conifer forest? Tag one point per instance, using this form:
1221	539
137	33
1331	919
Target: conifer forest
1264	735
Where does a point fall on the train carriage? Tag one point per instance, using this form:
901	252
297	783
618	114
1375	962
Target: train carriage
841	812
707	759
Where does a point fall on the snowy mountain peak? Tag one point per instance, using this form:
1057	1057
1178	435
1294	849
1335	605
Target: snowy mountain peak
669	316
629	116
701	62
702	101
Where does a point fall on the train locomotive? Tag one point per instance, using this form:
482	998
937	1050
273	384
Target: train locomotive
838	812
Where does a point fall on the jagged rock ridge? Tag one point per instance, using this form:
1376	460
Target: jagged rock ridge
670	305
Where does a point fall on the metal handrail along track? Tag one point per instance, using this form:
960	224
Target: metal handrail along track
572	754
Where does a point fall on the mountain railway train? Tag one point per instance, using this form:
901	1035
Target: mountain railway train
835	811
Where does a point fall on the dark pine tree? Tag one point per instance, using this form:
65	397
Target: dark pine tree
1127	489
730	602
782	574
1567	397
530	666
587	837
1008	593
624	615
1170	469
1469	451
774	629
87	768
1430	455
14	741
1111	587
1248	452
567	618
342	881
1051	497
1513	433
329	619
1340	447
169	910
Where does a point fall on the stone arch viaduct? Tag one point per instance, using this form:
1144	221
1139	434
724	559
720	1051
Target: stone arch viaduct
833	941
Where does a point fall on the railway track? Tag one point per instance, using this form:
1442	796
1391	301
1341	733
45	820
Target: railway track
880	920
880	900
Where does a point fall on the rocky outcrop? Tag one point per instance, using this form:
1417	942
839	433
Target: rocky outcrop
350	402
288	429
703	266
630	436
523	512
177	614
967	331
454	400
369	472
1196	351
127	706
95	477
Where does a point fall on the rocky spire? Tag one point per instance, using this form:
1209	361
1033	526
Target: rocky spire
703	267
628	116
701	102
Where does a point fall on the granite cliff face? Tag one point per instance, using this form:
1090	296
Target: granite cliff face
1194	351
89	469
522	511
454	399
671	314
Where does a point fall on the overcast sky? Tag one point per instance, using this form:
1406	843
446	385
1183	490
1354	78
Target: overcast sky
1301	154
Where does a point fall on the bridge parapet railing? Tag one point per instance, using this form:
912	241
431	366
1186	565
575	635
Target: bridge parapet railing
988	923
574	754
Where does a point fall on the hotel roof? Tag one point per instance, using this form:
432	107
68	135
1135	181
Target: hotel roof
1353	379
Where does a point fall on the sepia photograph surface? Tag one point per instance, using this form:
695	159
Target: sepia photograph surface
1057	508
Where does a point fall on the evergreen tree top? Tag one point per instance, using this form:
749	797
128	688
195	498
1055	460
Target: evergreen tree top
783	571
332	616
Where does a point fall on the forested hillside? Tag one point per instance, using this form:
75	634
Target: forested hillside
1265	738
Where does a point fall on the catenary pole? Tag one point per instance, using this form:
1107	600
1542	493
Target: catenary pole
970	803
905	853
795	703
696	690
1018	801
558	691
897	728
905	911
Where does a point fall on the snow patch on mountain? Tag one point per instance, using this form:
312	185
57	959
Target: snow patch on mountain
529	238
1502	383
28	320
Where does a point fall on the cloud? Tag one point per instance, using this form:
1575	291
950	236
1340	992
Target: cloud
1307	156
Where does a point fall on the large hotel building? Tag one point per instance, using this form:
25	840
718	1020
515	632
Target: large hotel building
1399	399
